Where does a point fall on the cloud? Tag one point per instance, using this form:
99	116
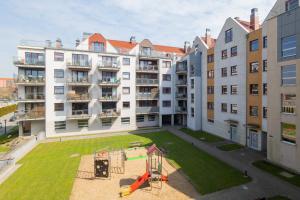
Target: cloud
162	21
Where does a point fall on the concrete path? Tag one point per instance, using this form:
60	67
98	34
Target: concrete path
262	185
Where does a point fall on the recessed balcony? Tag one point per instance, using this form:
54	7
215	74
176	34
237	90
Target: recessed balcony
181	96
30	80
32	98
79	114
147	110
181	110
33	63
181	83
147	96
146	82
31	115
109	113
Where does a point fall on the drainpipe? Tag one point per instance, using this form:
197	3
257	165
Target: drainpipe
247	92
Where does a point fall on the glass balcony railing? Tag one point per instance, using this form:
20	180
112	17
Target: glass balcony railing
32	97
109	81
147	68
146	110
31	63
82	64
146	81
147	95
30	80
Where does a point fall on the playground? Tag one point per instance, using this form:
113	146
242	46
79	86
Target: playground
134	173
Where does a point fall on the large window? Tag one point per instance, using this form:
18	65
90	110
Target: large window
288	132
34	58
192	97
151	118
166	64
192	112
288	46
265	112
192	83
210	74
288	103
98	46
228	35
58	89
254	45
253	111
80	60
126	104
254	89
234	51
288	75
254	67
125	120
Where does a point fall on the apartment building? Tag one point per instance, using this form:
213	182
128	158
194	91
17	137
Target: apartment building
100	85
282	26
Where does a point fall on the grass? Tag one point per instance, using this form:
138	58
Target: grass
278	198
48	171
3	148
203	136
276	170
230	147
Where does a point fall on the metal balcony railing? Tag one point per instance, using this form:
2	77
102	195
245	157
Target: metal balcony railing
109	81
83	81
79	114
32	97
147	95
154	54
78	97
108	65
181	95
110	113
148	68
181	68
35	114
145	81
30	80
147	110
109	97
83	64
180	109
181	82
33	62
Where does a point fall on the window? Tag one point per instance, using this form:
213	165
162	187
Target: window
224	107
224	89
288	132
126	75
233	70
210	74
288	103
210	105
151	118
224	54
233	51
265	112
126	61
253	111
59	89
233	89
146	51
140	118
126	104
106	122
210	58
83	123
210	89
254	89
125	120
80	60
288	46
192	97
58	73
224	72
126	90
265	42
192	112
192	83
166	64
265	65
233	108
265	89
166	104
166	90
288	75
34	58
228	36
97	46
166	77
58	56
254	45
291	4
59	107
253	67
60	125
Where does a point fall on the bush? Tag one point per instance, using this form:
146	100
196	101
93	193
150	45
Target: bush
8	109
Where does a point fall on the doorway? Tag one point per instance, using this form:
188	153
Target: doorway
233	132
166	120
253	139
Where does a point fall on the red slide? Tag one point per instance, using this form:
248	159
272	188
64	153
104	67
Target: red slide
139	182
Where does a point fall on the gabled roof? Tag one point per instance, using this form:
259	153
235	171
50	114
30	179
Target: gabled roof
169	49
122	44
245	24
212	42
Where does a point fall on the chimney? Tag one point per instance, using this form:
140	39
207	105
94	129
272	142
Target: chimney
237	18
58	43
132	39
77	42
208	37
254	19
186	46
48	43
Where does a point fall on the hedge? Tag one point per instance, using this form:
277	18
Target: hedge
8	109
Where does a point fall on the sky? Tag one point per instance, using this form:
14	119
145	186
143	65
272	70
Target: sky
167	22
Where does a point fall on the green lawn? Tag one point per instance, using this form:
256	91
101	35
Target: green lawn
3	148
276	170
48	171
203	136
230	147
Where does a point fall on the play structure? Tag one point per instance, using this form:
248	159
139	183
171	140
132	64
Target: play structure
107	162
153	172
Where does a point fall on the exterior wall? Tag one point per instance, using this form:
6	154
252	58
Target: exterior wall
279	151
264	80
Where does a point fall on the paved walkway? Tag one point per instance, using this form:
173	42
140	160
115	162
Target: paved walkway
262	184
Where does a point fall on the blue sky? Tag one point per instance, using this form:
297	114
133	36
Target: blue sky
169	22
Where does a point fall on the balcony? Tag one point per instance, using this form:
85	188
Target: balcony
181	82
79	64
21	62
109	98
79	114
31	115
30	80
147	69
146	82
32	98
181	110
75	97
181	69
79	82
108	66
153	54
111	81
147	96
181	96
147	110
109	113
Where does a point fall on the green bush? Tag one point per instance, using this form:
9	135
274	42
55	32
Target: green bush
8	109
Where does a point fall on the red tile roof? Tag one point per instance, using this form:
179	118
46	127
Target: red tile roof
122	44
245	24
168	49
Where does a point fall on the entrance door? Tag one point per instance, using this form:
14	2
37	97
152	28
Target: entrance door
253	139
26	128
264	142
167	120
233	132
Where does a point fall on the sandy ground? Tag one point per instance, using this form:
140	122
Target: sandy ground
86	187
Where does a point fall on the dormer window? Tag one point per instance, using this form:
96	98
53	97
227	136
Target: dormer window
291	4
146	51
98	46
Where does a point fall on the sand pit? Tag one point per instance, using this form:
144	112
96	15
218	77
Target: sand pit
86	187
